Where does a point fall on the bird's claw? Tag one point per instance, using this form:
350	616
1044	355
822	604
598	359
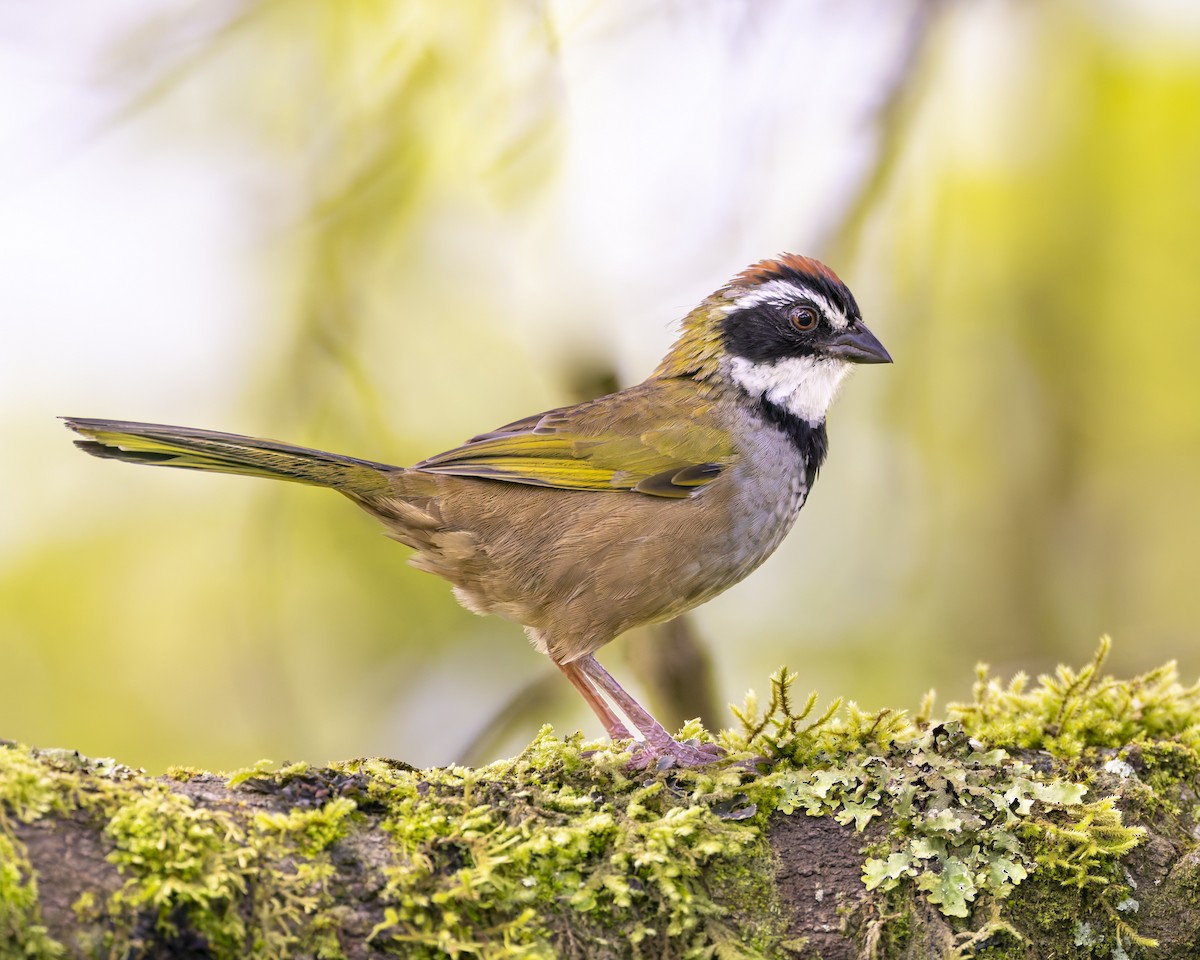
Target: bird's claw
673	753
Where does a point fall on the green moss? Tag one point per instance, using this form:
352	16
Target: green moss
562	851
1073	710
311	831
31	787
21	930
967	819
631	859
177	865
1165	769
475	856
964	820
248	889
267	769
1068	919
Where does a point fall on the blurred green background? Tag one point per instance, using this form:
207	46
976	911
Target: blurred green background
381	227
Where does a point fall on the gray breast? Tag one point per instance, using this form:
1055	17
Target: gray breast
771	483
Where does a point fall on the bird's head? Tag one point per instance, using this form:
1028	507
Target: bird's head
785	331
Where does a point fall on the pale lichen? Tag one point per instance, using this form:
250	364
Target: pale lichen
562	851
967	817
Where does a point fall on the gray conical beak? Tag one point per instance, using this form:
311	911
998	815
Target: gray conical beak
858	345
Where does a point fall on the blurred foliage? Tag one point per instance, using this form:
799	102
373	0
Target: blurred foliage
1023	480
383	127
1044	284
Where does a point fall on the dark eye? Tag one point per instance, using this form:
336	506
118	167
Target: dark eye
805	319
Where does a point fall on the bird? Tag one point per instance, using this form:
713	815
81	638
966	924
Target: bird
585	521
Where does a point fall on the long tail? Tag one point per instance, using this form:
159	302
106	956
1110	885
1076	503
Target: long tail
193	449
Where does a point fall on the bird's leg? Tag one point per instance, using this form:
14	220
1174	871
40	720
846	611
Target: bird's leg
612	723
659	744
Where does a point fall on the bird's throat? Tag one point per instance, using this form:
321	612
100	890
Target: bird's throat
810	440
803	386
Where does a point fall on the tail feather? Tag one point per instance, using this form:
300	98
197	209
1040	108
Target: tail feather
192	449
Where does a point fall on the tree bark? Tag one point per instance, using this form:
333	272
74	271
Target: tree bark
372	858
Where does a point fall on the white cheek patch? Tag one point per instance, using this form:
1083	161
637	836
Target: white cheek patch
804	386
782	292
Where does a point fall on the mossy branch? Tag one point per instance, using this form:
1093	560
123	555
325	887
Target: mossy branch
981	834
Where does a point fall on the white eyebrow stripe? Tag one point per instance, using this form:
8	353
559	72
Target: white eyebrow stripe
778	292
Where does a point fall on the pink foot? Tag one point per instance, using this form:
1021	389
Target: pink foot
664	756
